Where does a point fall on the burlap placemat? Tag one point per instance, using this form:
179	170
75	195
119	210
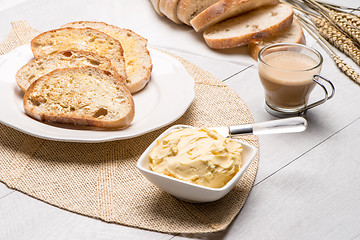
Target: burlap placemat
101	180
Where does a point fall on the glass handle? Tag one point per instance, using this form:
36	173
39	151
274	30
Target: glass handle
326	97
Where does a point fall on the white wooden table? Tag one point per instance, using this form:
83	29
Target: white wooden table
308	184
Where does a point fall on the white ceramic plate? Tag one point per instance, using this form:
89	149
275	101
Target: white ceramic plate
165	99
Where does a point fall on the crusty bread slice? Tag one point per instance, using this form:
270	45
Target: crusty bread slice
169	9
156	6
188	9
294	34
225	9
63	59
138	62
87	39
81	96
258	24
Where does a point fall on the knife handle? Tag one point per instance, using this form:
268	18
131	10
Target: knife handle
286	125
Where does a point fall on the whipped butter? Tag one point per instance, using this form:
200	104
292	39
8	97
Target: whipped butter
199	156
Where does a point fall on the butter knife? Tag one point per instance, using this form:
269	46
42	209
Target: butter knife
285	125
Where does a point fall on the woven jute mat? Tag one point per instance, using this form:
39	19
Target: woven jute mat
101	180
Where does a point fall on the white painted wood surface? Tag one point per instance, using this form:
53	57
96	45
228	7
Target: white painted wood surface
307	186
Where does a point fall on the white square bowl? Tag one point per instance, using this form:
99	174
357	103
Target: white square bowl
188	191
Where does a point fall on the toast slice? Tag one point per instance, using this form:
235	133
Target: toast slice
258	24
81	96
169	9
88	39
63	59
225	9
188	9
138	64
294	34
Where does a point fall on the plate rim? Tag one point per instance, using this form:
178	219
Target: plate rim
189	96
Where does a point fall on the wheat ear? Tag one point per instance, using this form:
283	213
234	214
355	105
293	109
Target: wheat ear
345	68
337	39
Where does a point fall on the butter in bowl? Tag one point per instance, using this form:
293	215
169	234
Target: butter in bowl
195	164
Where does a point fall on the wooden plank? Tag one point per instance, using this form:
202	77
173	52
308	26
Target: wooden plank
23	217
315	197
222	70
4	190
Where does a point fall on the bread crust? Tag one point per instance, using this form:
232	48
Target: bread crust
188	9
169	9
225	9
156	6
236	39
255	46
80	39
135	46
33	99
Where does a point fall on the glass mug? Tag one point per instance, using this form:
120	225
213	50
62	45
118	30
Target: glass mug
288	73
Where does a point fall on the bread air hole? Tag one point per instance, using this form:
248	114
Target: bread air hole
67	54
36	44
37	102
107	73
94	62
100	112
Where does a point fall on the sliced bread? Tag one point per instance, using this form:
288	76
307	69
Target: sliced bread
156	6
258	24
225	9
294	34
138	62
188	9
169	9
81	96
63	59
87	39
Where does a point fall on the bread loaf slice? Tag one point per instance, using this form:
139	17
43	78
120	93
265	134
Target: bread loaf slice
156	6
169	9
188	9
294	34
138	62
225	9
81	96
88	39
258	24
63	59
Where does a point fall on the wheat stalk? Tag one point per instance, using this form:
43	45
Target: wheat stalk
349	71
337	7
338	39
351	19
332	34
347	22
